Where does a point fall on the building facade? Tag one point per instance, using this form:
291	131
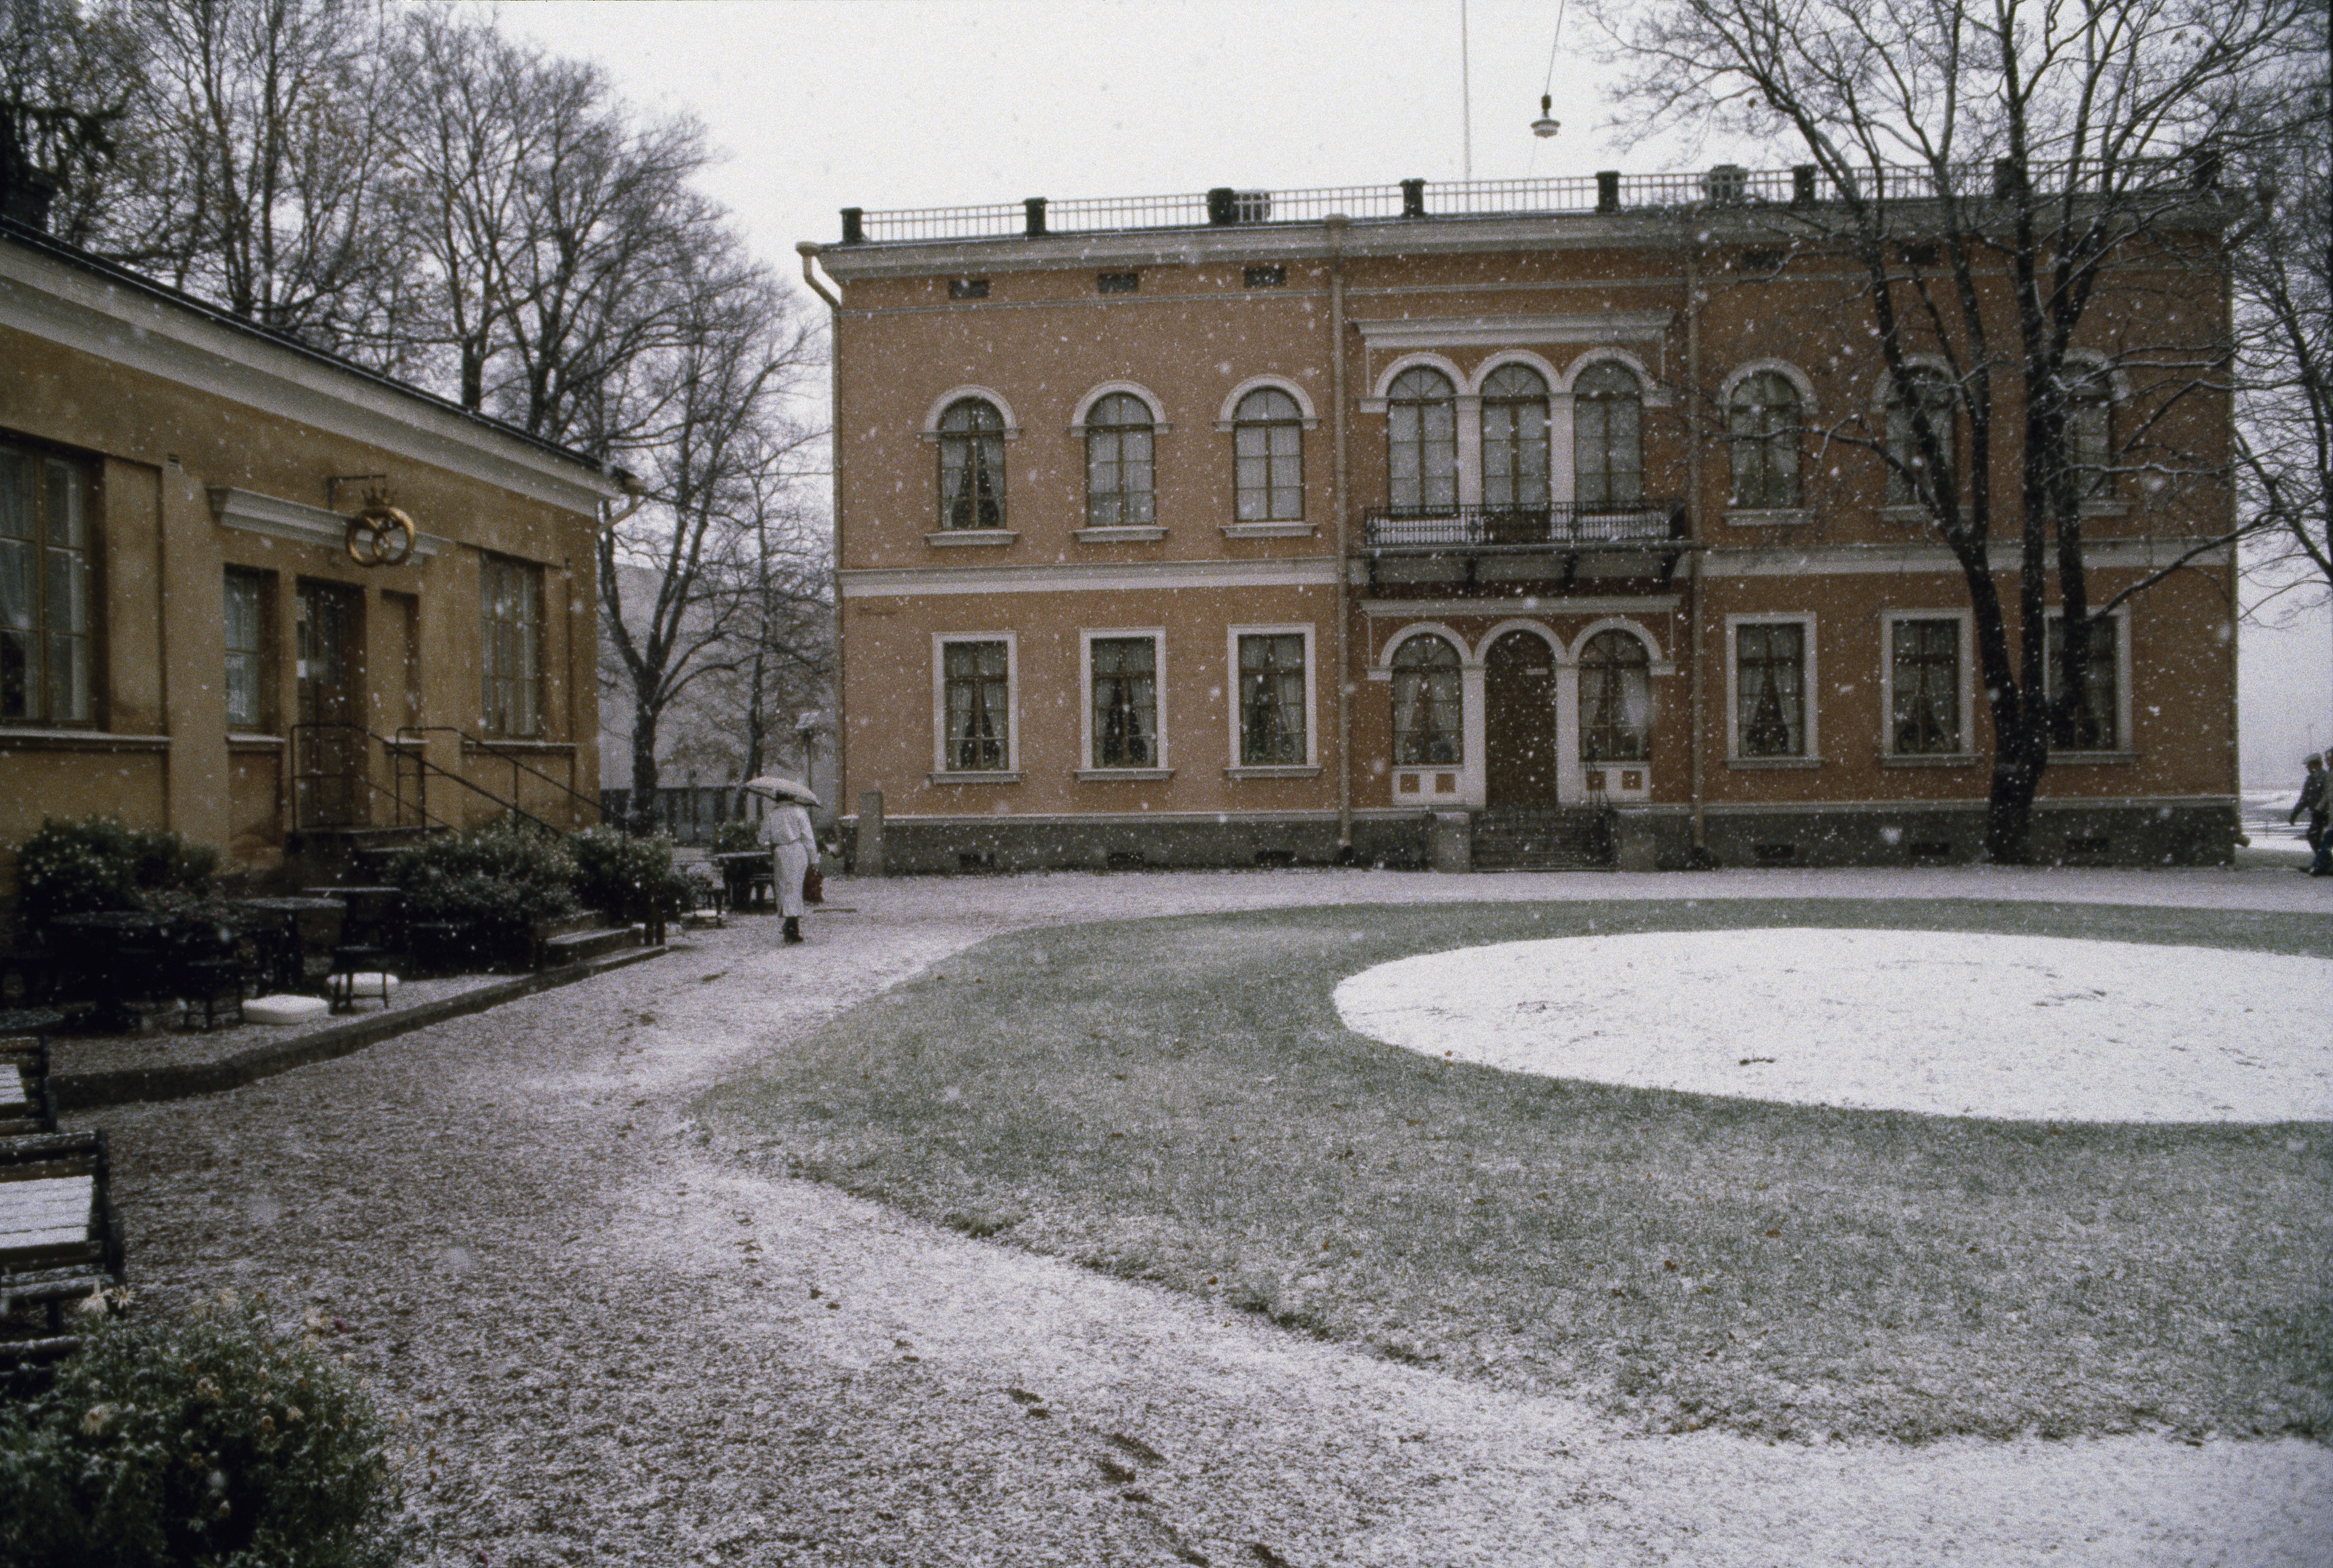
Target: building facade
204	628
1273	526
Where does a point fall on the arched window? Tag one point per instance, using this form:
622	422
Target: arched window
1764	418
1607	443
972	464
2090	429
1428	722
1931	391
1268	452
1422	440
1119	473
1514	438
1616	700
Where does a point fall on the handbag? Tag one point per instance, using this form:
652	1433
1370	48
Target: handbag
814	884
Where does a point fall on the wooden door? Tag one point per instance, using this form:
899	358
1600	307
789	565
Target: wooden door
1519	722
330	674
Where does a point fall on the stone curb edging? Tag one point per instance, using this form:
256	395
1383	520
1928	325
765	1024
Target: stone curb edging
129	1086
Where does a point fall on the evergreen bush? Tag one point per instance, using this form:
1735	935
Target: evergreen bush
488	885
208	1441
619	875
96	864
736	836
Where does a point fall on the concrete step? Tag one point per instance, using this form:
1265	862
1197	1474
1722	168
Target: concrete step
1541	839
582	947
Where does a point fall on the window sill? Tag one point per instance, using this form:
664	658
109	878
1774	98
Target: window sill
1293	770
1123	774
976	776
1765	516
78	740
2106	506
960	537
2092	758
253	740
1290	530
1939	759
1126	534
1912	514
487	744
1773	764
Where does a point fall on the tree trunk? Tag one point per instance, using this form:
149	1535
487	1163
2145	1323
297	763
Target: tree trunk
2018	758
643	815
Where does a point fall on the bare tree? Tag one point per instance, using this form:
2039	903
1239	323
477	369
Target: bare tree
2284	331
1989	165
722	437
67	82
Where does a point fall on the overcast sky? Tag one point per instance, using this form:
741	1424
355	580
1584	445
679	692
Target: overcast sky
821	104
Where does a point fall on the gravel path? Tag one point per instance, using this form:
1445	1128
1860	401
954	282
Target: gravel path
617	1350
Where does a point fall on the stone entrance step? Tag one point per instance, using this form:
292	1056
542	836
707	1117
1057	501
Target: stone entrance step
1542	839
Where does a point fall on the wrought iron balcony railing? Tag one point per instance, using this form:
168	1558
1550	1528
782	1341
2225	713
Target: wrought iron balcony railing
1562	526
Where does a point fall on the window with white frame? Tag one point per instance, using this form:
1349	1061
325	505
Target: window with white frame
1770	687
1272	677
1514	438
1122	673
2090	429
2095	722
1763	420
45	595
1268	457
972	464
976	706
1608	439
1422	440
1119	437
1923	686
510	640
1616	698
1428	704
1927	398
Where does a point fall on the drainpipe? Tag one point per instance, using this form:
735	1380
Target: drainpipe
809	250
1695	599
1337	224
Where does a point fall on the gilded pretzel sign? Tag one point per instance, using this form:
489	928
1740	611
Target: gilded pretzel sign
381	535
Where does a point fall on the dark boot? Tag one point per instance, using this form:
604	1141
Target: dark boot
793	928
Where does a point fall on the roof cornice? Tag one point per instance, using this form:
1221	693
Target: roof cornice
54	292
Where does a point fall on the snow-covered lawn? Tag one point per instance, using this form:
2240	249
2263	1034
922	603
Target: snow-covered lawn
1945	1022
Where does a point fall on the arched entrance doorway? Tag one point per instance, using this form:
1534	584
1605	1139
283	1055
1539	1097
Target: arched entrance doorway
1519	727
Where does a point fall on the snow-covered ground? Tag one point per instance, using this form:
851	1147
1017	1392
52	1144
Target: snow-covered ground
1945	1023
616	1349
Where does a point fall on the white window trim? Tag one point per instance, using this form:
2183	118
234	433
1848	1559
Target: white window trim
2125	743
1087	768
1011	772
931	426
1650	393
1378	396
1227	418
1311	763
1966	694
1158	423
1548	372
1748	368
1813	753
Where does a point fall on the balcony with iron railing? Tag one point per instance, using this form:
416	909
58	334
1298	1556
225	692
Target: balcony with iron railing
1560	526
1727	185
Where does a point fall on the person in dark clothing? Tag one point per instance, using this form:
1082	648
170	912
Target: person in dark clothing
2316	800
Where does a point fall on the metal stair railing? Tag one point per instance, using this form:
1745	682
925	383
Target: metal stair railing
496	750
304	736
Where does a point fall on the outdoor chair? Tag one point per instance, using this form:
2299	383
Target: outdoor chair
59	1240
25	1107
372	943
211	967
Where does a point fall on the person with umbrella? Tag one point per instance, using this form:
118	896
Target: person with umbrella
786	829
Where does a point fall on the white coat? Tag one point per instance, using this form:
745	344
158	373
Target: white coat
786	830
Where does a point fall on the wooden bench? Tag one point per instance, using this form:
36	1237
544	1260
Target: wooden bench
25	1104
59	1240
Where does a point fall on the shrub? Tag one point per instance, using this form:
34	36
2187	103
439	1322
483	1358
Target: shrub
77	868
207	1441
737	837
618	874
489	884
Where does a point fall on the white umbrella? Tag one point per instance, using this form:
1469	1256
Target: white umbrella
782	789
